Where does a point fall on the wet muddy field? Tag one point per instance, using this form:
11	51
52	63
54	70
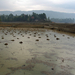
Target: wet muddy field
35	51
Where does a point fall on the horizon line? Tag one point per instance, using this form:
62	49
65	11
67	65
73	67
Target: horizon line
38	10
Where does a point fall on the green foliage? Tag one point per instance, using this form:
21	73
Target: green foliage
0	19
24	18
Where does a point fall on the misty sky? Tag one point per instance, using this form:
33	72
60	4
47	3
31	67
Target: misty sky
27	5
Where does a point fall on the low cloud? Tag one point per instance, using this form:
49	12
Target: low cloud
25	5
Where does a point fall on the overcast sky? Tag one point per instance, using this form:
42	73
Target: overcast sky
27	5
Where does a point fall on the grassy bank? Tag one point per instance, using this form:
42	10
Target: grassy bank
63	27
22	25
54	26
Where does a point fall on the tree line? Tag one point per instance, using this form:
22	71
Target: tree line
66	20
34	17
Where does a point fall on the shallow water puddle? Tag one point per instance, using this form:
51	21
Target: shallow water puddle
36	52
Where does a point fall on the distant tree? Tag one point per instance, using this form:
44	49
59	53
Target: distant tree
24	18
42	17
10	17
67	20
48	19
0	19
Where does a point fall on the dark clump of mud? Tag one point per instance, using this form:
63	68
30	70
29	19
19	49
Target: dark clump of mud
12	40
20	42
28	37
17	38
6	44
52	68
57	38
37	39
48	39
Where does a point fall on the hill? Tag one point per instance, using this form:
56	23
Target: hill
51	14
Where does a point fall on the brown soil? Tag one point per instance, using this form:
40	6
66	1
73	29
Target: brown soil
54	26
63	27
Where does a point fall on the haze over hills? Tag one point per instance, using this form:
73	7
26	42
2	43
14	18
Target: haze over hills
50	14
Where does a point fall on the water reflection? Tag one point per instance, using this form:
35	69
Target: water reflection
36	52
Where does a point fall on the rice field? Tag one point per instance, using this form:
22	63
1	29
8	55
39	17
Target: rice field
36	51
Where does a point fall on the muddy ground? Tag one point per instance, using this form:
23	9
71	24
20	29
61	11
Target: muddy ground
36	51
53	26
